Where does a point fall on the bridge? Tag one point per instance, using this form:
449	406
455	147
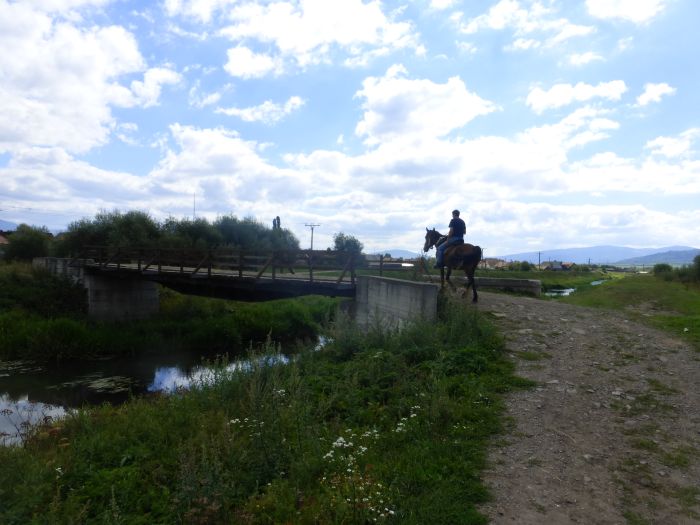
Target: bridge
228	273
122	283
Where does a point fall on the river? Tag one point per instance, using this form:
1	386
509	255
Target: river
31	393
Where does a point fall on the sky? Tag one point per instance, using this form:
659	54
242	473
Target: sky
548	123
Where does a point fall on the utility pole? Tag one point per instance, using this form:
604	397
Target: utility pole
312	226
194	205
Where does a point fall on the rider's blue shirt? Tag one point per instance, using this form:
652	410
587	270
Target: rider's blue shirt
458	227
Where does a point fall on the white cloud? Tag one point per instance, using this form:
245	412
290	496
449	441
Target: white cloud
395	107
63	5
201	10
581	59
636	11
60	81
147	92
51	178
309	31
654	92
441	4
523	44
560	95
526	23
245	63
200	100
268	112
674	147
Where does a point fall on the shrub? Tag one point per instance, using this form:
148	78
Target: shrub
662	268
28	242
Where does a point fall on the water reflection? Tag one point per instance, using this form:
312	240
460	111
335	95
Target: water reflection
170	379
18	415
29	393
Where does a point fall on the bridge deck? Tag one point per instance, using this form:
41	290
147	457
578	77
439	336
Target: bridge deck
228	273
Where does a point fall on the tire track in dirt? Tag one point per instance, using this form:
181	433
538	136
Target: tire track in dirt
611	434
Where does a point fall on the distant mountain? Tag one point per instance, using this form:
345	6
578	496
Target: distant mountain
7	226
674	257
594	254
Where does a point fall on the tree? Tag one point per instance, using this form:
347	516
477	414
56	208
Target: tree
189	233
347	243
114	228
28	242
249	234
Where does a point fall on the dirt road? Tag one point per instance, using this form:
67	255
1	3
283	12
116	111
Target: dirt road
611	434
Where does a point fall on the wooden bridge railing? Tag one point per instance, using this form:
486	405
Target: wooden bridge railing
297	264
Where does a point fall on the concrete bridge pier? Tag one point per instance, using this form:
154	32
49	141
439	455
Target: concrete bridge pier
121	299
117	298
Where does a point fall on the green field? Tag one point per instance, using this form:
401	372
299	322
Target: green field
667	304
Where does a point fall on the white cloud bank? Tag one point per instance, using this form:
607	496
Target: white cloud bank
561	95
398	107
60	81
308	32
636	11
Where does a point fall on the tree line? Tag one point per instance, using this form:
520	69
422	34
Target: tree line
137	228
684	274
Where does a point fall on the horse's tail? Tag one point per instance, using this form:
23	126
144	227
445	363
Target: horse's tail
479	254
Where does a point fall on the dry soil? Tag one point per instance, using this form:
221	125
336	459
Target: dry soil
611	432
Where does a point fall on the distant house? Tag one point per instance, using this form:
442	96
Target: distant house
558	266
4	237
491	263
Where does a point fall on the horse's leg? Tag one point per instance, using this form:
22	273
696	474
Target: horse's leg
449	272
442	276
472	282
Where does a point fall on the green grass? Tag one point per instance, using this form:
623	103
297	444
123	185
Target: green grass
378	425
551	279
670	305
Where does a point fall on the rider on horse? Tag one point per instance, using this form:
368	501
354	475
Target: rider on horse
455	236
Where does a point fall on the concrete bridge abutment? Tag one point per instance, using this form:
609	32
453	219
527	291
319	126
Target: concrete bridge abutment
118	298
394	302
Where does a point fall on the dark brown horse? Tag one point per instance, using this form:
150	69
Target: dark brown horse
464	256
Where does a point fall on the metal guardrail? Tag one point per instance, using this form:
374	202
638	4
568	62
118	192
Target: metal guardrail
301	264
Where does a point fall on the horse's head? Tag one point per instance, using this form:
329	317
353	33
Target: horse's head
431	237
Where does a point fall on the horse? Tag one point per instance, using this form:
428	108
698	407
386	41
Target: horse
464	256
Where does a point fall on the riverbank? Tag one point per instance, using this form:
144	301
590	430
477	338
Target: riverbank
378	425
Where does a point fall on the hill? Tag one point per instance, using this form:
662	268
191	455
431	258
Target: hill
7	226
592	254
675	258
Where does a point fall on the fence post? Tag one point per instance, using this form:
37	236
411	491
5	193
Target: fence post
381	265
311	266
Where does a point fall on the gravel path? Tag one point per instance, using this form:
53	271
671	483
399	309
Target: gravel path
611	434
